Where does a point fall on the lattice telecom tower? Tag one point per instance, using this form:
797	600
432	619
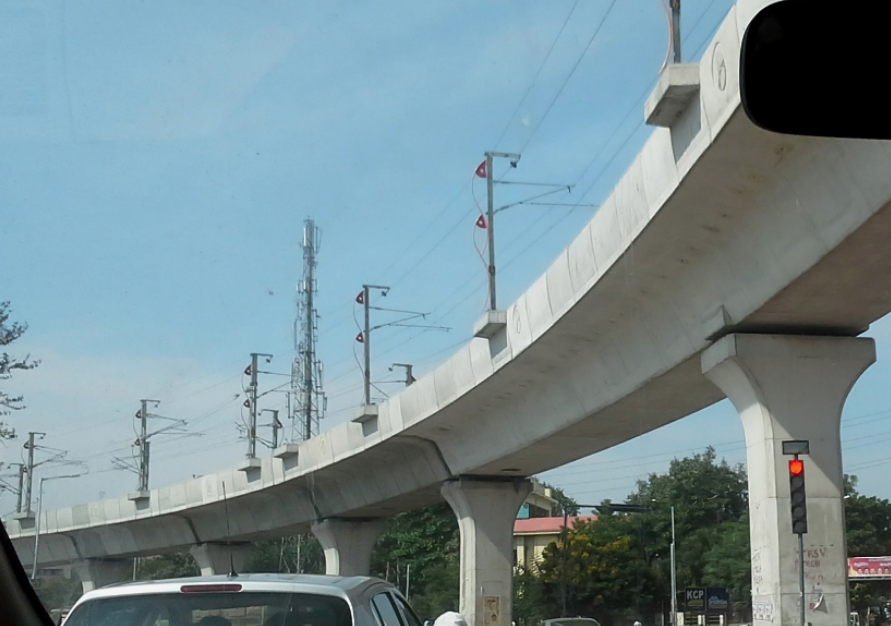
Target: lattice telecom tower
306	370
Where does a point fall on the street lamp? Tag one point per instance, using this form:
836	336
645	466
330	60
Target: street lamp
39	507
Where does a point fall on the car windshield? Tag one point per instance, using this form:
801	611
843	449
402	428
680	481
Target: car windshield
213	609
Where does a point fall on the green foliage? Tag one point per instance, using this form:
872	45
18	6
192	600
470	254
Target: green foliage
868	521
437	590
728	563
9	332
564	502
868	524
533	601
175	565
57	592
706	494
294	554
427	540
598	567
617	569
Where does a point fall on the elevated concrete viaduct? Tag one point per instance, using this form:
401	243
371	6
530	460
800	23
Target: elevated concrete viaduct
727	262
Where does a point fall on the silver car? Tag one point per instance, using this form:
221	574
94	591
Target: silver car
246	600
570	621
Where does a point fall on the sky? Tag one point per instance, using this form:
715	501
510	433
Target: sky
159	159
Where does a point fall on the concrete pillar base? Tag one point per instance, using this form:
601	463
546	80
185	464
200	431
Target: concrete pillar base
793	387
95	573
213	558
486	510
347	544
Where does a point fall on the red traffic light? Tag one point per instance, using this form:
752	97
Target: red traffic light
796	467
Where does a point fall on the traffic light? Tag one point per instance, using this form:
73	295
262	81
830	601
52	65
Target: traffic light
797	496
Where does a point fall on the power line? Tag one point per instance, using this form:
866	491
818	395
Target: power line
571	72
537	73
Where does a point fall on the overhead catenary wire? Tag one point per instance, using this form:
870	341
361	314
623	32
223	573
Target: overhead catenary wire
577	204
414	241
537	74
569	76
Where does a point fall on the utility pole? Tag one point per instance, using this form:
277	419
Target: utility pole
252	426
276	426
141	466
18	494
676	29
365	299
306	370
143	444
490	216
409	379
29	479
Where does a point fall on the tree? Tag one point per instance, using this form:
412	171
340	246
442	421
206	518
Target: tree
295	554
9	332
564	502
617	569
597	566
868	533
868	522
57	593
532	601
422	544
728	564
175	565
705	494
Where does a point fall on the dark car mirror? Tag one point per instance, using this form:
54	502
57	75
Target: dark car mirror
819	67
19	605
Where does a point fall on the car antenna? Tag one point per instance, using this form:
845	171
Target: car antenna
232	572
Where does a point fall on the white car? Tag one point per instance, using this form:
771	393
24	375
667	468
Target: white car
246	600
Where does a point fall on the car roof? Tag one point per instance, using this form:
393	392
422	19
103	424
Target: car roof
343	586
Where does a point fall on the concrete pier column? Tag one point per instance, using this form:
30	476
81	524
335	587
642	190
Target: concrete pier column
95	573
486	510
347	544
213	558
793	387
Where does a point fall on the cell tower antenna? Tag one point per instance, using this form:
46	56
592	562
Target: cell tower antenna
306	371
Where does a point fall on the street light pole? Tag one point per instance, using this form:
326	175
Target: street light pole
39	507
674	576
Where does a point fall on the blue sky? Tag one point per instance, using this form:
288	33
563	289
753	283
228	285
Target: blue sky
159	159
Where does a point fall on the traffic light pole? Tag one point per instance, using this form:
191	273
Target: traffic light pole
797	497
801	576
798	502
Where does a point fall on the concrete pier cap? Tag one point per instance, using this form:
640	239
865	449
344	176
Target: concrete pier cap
347	543
486	508
95	573
793	387
220	558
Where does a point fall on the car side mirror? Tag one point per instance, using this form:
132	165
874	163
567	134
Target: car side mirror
819	67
